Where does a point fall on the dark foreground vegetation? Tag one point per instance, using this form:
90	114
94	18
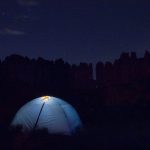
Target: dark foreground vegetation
114	107
119	128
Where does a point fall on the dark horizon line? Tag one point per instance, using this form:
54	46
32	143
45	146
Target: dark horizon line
129	54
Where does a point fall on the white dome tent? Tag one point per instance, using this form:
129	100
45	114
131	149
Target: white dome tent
54	114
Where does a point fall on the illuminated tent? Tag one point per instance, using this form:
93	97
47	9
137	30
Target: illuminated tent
54	114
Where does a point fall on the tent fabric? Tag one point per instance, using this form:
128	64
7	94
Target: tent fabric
57	116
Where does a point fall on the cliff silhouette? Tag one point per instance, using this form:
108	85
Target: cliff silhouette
126	81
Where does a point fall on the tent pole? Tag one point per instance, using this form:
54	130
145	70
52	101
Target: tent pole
38	117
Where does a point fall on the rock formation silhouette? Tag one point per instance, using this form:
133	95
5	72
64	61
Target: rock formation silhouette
126	81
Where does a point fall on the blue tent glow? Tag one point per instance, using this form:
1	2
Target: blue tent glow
54	114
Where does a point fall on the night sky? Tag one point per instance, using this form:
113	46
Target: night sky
77	31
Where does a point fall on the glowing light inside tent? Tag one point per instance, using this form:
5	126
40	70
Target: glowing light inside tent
45	98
